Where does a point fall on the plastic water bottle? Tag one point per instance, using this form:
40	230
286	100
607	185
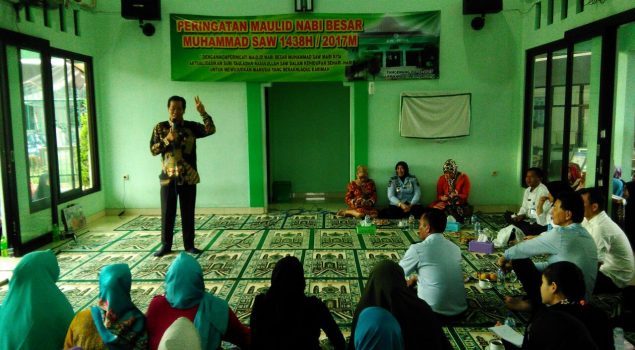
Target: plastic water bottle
4	246
367	221
411	222
618	338
509	321
477	227
500	276
474	219
56	232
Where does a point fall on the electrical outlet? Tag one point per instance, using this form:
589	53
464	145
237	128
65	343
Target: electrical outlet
126	177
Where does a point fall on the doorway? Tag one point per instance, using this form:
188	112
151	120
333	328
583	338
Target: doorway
308	141
27	209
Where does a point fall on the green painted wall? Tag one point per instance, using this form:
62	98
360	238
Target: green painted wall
133	84
547	33
485	63
309	136
255	121
359	106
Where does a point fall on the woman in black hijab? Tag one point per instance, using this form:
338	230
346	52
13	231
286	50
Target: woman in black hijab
285	318
387	288
564	322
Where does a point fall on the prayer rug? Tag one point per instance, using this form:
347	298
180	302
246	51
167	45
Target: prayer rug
223	263
495	221
263	261
153	223
304	221
330	263
368	258
230	222
386	239
138	240
336	239
234	239
334	221
287	239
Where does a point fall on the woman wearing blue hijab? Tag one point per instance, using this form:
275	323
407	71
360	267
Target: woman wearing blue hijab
377	329
35	314
185	296
115	323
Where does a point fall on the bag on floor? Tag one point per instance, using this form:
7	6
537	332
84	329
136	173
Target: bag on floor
505	234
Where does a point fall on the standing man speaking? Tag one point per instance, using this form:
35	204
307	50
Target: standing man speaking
175	141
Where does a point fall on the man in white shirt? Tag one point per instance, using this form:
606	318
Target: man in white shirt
527	218
615	254
437	262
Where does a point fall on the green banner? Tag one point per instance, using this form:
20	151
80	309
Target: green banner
305	47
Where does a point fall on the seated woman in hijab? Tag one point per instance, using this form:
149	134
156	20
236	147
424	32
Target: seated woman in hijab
377	330
185	296
387	288
361	196
576	176
618	183
453	190
564	322
35	314
115	323
285	318
404	194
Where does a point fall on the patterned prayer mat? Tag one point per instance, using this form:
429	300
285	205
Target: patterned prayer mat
240	251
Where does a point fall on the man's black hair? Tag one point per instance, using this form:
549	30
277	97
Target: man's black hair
436	218
569	280
538	172
177	98
573	203
557	188
595	196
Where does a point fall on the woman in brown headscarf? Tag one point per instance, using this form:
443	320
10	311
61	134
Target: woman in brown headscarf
387	288
361	195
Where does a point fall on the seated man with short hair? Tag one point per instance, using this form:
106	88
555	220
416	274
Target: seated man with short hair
437	262
567	242
615	254
527	218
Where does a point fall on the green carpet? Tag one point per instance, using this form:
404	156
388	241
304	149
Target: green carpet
240	251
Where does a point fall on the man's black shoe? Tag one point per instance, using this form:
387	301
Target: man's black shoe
161	252
194	251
